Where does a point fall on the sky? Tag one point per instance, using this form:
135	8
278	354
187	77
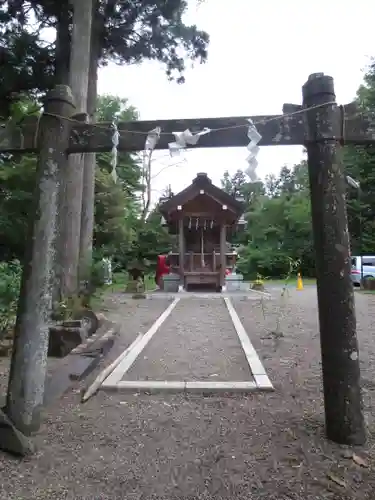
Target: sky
260	55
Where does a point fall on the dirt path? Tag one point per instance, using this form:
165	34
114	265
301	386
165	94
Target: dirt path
259	446
197	342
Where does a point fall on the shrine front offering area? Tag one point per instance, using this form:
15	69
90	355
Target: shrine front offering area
198	344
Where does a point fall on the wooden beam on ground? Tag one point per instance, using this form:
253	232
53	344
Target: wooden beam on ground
137	347
199	386
256	366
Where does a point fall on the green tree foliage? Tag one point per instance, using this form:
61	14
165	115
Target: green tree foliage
359	162
119	228
116	204
278	215
153	238
17	180
278	222
114	109
240	188
10	284
114	216
126	33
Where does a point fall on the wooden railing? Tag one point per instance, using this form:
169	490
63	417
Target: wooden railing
197	262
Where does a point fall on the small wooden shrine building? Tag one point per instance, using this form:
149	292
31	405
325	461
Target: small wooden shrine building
203	216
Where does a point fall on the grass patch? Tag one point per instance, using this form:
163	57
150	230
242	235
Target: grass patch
120	280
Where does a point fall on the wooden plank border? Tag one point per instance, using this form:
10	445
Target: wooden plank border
115	377
255	364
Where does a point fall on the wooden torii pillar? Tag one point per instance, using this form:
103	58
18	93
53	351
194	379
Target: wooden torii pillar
223	252
181	246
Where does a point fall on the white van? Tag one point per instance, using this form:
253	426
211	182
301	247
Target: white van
368	267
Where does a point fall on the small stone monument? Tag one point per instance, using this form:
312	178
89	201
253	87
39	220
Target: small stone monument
140	290
107	271
136	271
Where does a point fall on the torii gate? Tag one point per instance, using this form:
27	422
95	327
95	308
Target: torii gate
319	124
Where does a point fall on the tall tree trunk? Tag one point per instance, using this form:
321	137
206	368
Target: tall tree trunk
88	189
63	41
62	46
71	202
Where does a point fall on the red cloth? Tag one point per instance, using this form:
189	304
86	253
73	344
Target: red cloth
161	268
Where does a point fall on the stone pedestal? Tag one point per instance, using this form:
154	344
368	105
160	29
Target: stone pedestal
234	283
171	283
135	286
63	339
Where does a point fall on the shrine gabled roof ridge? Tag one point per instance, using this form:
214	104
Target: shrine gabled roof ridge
201	182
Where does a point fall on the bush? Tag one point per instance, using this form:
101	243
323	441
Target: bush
10	283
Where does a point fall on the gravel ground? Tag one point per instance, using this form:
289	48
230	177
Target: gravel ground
260	446
134	316
294	413
4	372
197	342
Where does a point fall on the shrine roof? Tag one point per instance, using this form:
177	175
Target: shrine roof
201	182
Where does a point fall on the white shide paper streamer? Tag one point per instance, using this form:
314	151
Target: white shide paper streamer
115	143
183	139
253	150
151	140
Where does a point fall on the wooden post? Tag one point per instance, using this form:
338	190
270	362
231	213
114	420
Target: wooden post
29	360
71	206
223	251
340	360
88	188
181	247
